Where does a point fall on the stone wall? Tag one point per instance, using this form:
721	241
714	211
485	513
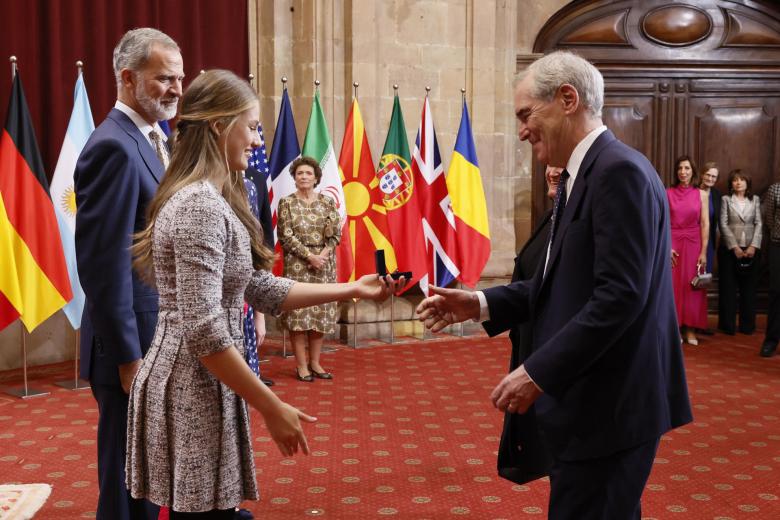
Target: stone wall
444	44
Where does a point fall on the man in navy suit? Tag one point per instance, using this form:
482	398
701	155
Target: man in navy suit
116	177
605	374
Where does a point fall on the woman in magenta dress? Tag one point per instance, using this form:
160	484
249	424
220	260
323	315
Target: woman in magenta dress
688	207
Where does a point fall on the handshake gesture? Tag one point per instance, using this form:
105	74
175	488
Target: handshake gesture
517	391
447	306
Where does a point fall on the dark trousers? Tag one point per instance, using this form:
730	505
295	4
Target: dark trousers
606	488
114	501
773	313
731	278
214	514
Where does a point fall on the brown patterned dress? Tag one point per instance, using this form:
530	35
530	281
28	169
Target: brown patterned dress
189	445
304	228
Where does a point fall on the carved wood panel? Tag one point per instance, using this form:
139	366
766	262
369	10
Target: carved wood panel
697	77
631	120
736	133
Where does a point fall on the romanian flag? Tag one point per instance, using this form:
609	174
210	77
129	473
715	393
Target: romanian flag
34	281
468	204
399	194
366	213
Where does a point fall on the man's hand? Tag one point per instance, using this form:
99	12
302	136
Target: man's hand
447	306
516	392
127	372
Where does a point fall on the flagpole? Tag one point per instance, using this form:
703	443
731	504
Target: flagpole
76	383
392	318
354	323
460	285
25	391
355	85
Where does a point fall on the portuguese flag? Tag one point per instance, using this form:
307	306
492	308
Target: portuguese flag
396	183
34	281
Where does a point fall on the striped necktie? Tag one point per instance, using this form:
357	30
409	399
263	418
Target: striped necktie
559	205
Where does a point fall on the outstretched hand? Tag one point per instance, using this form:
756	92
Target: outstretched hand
286	430
447	306
375	287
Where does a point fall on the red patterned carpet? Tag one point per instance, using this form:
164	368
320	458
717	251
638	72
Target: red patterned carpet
407	430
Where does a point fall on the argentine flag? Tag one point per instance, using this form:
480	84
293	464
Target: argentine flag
64	198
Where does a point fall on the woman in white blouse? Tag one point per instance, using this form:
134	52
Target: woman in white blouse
740	228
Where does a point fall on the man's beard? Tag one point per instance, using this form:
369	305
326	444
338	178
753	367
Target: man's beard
155	107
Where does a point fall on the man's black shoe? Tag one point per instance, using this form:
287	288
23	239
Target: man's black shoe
768	349
266	382
243	514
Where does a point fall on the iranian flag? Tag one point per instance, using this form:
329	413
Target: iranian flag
317	145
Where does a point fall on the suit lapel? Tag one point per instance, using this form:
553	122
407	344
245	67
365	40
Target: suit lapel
153	164
546	217
575	198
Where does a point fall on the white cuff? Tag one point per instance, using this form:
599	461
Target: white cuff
484	311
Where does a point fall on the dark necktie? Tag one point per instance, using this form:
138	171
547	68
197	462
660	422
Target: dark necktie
559	205
159	148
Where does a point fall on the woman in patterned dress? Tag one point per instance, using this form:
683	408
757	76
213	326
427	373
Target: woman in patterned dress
189	441
309	231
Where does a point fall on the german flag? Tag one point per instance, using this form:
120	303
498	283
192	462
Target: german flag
34	281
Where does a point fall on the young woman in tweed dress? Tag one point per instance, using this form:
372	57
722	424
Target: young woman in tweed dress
189	443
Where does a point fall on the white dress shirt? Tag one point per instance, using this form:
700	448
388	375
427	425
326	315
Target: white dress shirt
141	123
573	167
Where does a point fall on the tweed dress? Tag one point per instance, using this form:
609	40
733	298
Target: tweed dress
189	442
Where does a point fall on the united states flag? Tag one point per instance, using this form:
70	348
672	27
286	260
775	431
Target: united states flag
259	161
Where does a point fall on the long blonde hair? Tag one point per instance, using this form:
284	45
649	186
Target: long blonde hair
214	97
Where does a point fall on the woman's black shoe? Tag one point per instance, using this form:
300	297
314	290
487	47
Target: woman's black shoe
768	349
321	375
305	379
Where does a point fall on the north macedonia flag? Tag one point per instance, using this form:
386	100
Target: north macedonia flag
366	213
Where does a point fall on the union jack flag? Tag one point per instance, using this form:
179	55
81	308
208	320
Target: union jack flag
437	217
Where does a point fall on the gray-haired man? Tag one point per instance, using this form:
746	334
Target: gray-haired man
116	177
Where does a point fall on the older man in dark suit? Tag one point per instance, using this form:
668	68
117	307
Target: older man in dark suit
116	176
606	373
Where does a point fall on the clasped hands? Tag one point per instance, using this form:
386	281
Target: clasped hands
517	391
